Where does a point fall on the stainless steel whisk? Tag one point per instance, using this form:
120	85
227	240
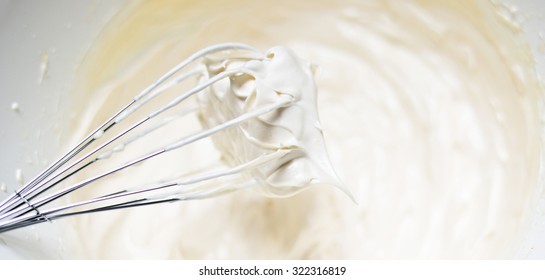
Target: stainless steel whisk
31	204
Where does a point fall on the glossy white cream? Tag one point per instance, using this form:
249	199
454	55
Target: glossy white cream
291	130
429	109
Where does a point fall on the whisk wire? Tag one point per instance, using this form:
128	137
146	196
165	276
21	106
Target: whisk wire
17	210
7	204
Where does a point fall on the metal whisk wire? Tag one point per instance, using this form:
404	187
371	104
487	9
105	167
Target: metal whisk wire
25	206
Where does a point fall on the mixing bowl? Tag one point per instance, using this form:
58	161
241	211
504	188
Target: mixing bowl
42	46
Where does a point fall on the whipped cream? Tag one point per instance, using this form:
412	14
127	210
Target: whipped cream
430	112
291	129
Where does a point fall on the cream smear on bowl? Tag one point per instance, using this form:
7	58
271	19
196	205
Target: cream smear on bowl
32	112
429	109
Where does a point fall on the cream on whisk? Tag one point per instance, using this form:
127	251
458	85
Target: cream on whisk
292	129
267	132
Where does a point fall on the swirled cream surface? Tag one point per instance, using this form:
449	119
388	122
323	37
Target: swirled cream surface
429	109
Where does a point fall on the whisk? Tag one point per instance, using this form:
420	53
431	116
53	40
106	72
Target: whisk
258	108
